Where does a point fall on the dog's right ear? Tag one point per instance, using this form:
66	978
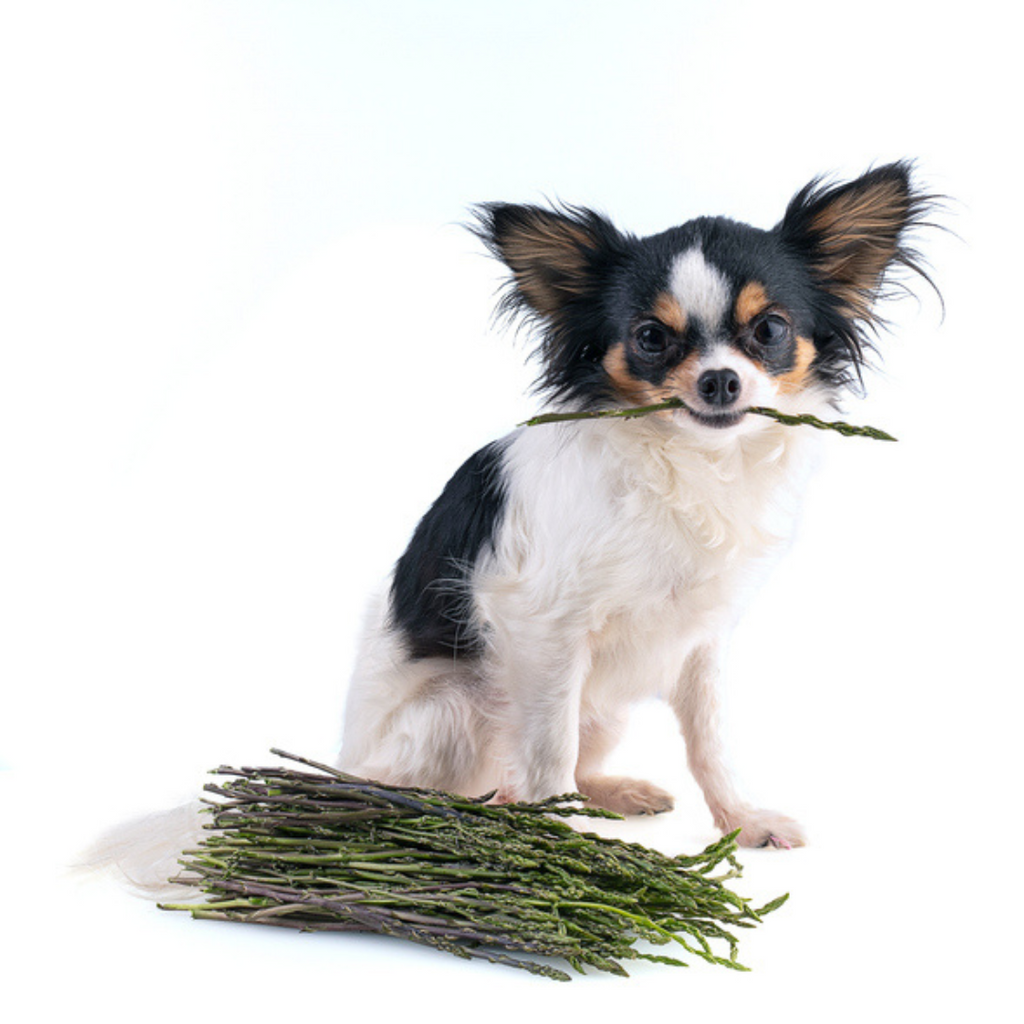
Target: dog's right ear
557	257
853	235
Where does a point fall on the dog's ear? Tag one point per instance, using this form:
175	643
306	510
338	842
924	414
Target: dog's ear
852	235
556	256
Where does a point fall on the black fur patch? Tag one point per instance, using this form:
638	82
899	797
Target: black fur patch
430	591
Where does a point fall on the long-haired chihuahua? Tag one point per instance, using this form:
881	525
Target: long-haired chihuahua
570	570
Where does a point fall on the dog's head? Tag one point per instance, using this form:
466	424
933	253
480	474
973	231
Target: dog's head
717	313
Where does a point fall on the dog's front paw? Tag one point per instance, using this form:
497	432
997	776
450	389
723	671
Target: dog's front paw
765	829
625	796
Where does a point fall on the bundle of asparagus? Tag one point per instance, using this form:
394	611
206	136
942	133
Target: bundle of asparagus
325	851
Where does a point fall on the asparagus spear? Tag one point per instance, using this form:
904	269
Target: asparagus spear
847	429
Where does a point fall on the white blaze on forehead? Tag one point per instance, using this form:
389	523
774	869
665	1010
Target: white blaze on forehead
700	288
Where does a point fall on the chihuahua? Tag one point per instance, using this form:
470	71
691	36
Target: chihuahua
570	570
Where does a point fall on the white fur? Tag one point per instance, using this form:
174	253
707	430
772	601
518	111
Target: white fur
626	551
700	288
144	853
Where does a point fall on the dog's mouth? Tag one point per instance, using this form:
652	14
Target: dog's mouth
718	420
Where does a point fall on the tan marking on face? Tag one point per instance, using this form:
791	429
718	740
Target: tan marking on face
795	379
751	300
667	309
636	392
681	381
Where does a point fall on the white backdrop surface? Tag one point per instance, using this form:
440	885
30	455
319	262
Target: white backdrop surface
243	342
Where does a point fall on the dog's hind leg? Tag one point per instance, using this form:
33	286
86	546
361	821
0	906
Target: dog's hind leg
423	722
416	722
598	735
437	736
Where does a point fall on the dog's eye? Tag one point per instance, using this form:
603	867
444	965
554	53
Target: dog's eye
771	331
651	339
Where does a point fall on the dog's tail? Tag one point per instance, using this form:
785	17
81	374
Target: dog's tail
143	854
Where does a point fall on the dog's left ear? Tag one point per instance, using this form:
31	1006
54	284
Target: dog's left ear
557	257
852	235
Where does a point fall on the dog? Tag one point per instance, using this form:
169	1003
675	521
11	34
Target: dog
569	570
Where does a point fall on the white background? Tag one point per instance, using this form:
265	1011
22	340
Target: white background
244	342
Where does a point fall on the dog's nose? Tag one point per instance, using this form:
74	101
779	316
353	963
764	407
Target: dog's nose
719	387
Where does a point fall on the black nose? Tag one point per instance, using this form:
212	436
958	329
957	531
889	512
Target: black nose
719	387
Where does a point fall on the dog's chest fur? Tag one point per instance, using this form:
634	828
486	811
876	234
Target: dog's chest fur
632	536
